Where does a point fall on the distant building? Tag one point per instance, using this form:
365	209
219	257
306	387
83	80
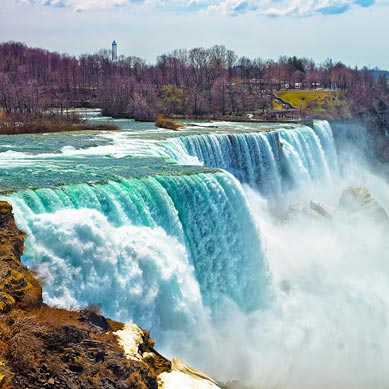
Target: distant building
114	51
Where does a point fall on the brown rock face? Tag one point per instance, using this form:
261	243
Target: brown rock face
44	347
18	287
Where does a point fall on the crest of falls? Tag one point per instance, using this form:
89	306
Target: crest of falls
159	251
267	161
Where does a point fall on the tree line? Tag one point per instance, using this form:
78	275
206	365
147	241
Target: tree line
199	82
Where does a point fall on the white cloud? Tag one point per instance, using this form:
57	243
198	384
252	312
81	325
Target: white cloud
278	8
78	5
231	7
274	8
311	7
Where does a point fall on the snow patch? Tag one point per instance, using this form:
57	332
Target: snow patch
130	337
185	377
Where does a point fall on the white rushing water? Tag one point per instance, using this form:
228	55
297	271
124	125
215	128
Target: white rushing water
209	262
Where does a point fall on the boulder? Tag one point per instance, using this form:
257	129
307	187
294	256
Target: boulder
93	317
358	203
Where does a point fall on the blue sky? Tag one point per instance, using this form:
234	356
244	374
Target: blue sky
355	32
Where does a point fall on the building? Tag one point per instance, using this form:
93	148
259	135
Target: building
114	51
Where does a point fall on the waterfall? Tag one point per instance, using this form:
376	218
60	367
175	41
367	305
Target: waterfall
165	247
168	244
206	263
163	244
304	158
323	130
268	161
253	158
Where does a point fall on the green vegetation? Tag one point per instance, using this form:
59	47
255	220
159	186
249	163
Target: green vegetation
316	103
297	63
172	97
302	99
277	106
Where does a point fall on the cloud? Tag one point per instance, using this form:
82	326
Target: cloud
78	5
273	8
302	8
279	8
231	7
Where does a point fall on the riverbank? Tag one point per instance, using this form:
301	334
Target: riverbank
37	126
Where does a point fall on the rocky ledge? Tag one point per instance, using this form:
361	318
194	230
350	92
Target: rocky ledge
47	347
356	206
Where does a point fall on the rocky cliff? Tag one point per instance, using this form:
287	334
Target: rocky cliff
48	347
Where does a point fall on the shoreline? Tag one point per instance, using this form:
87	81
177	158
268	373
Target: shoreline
52	126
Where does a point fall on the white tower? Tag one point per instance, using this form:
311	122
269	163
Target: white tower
114	51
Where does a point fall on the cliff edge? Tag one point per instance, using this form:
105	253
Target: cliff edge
48	347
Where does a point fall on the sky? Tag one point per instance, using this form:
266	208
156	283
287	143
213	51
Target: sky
355	32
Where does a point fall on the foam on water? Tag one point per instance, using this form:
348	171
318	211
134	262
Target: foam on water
221	280
269	162
179	241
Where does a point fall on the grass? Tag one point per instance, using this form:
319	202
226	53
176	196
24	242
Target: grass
277	106
302	99
316	103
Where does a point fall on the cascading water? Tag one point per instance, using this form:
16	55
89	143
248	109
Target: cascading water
304	305
267	161
304	160
165	247
323	130
253	158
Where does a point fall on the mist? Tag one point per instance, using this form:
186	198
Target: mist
273	271
326	325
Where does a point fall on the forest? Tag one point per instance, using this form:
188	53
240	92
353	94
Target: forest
198	83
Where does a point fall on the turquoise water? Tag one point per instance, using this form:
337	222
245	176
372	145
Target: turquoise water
185	233
187	185
48	160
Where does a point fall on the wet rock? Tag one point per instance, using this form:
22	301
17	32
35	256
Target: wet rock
298	210
358	203
71	385
323	209
106	383
75	368
94	318
95	350
5	212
